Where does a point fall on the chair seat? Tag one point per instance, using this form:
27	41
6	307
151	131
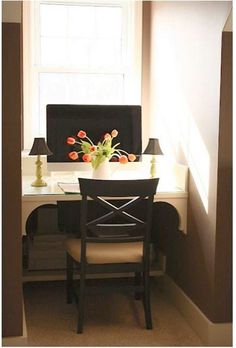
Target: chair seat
102	253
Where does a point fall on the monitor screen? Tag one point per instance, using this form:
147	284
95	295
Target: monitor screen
64	121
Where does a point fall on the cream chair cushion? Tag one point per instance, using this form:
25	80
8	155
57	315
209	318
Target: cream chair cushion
100	253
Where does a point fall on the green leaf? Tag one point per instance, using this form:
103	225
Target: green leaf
85	146
97	161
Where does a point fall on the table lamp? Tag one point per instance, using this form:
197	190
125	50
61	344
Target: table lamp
39	148
153	148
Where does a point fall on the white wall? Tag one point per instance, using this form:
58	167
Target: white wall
185	84
185	73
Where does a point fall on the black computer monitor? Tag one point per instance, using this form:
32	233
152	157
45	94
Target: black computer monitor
66	120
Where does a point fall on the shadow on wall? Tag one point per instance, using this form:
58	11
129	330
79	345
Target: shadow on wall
179	248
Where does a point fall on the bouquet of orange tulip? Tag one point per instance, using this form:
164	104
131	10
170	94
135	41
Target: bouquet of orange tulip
96	154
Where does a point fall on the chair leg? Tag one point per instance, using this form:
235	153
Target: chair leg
146	300
137	282
69	278
81	301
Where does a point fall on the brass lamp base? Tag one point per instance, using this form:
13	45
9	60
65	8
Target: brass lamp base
39	183
153	167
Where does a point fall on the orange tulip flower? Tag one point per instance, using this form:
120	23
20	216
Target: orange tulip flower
93	148
114	133
70	141
123	159
82	134
87	157
107	136
131	157
73	155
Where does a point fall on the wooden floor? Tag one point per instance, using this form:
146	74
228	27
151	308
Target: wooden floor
111	319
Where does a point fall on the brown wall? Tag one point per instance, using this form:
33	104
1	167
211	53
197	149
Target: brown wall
184	106
223	274
11	180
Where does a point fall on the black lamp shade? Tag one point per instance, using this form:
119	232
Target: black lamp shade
40	147
153	147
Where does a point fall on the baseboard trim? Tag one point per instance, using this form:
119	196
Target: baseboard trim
17	341
210	333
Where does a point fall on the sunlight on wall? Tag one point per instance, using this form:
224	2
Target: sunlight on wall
168	117
192	146
173	123
199	162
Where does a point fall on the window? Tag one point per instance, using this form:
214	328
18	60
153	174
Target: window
79	53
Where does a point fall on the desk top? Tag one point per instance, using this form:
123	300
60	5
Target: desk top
33	197
69	182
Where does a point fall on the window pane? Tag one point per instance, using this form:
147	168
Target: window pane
78	88
81	36
81	21
53	51
106	89
106	53
52	90
74	88
95	88
78	52
53	20
109	22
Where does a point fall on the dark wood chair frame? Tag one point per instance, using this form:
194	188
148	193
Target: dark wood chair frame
98	231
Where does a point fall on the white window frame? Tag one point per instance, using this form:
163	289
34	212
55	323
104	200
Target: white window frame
133	51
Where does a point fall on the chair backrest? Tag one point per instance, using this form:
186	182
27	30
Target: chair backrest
120	198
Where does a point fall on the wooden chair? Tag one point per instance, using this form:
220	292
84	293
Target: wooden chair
108	246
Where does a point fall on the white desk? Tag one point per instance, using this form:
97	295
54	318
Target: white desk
33	197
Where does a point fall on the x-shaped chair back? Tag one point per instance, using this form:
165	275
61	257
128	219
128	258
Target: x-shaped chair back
132	228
